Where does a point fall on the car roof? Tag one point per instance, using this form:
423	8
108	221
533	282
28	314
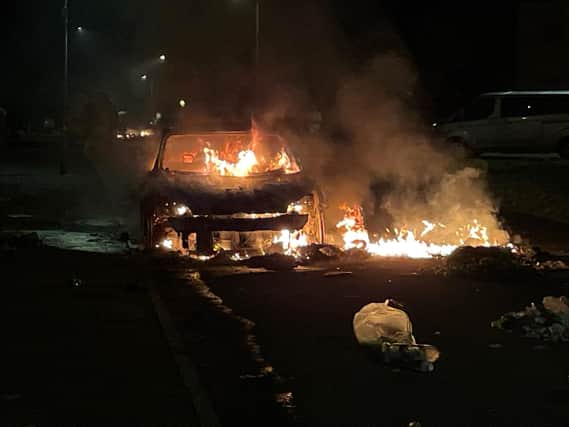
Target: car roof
527	92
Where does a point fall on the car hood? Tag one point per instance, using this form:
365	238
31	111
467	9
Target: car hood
206	194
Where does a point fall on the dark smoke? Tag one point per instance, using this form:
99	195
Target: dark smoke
388	161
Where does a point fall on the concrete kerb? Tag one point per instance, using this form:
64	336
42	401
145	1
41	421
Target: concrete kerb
201	402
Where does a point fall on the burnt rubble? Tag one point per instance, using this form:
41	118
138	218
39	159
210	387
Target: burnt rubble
547	321
500	262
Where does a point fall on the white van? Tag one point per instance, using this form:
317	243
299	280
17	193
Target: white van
519	122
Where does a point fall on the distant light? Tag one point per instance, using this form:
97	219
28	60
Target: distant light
181	210
182	103
80	29
529	107
435	124
143	77
167	244
162	57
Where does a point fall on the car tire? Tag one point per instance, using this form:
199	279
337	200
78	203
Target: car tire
564	148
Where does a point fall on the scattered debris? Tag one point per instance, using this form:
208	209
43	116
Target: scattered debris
499	262
275	262
548	321
493	261
417	356
386	328
337	273
356	255
557	305
319	253
552	265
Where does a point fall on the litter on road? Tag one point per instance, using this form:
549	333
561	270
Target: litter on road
548	321
388	329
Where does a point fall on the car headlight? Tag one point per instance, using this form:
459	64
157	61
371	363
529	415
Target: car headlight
174	209
302	206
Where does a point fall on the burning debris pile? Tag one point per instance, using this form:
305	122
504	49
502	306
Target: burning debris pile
548	321
484	261
494	262
411	243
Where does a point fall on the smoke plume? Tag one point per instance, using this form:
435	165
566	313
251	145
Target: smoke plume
388	160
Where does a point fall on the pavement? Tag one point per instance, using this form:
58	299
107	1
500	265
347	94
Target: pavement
88	355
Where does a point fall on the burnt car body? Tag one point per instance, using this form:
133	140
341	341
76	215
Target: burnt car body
227	190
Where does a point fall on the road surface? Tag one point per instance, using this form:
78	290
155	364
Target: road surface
303	328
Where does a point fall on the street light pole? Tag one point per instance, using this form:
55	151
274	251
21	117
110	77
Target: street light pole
257	52
63	163
257	29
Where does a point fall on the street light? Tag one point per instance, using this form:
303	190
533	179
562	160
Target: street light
182	103
80	29
144	77
162	58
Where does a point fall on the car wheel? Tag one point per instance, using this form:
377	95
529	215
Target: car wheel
564	148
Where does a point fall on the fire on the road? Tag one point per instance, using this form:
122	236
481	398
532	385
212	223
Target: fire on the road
411	243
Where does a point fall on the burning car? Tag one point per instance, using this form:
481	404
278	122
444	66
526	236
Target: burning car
232	191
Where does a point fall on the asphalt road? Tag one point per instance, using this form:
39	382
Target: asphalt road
303	327
278	348
91	354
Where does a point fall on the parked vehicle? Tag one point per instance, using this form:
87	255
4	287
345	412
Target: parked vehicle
229	190
506	122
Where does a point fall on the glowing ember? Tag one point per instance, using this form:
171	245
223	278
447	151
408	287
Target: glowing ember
408	243
291	241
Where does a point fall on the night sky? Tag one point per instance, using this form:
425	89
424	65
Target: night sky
459	49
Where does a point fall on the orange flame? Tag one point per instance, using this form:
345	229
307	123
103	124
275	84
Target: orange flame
408	243
238	158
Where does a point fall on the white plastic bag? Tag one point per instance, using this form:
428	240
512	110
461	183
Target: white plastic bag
557	305
377	323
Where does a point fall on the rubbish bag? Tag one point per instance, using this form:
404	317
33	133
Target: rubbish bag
377	323
557	305
389	330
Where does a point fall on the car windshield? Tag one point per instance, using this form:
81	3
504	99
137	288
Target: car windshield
228	154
